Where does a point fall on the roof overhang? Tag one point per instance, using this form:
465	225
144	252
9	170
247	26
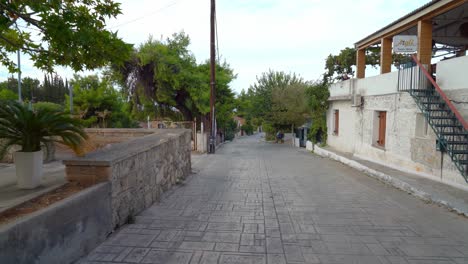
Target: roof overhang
448	17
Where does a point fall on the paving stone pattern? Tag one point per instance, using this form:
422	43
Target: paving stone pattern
256	202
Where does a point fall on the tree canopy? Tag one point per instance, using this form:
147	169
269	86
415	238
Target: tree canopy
342	64
162	76
60	32
98	104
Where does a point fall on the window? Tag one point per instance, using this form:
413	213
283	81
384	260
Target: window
421	126
336	119
382	116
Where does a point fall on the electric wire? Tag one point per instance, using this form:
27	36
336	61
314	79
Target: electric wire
173	3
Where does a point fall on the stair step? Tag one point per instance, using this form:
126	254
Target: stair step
457	142
439	110
464	162
459	151
422	90
427	95
445	125
454	133
432	103
443	117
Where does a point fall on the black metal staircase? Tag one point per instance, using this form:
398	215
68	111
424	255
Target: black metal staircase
446	122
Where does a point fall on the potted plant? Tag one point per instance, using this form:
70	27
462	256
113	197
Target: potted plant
31	130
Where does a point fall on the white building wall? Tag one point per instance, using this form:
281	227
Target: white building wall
344	141
405	149
452	79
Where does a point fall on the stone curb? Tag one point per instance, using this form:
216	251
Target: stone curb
397	183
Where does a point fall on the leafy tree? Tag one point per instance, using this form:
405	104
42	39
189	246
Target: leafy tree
337	65
317	99
53	89
244	104
97	103
60	32
29	87
262	90
164	80
289	105
164	72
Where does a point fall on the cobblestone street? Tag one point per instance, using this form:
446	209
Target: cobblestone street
256	202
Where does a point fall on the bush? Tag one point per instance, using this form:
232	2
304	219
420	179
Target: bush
318	131
270	131
8	95
47	106
248	129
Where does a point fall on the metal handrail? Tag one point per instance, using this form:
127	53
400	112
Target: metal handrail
442	94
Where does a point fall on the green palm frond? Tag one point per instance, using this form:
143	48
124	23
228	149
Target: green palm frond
30	129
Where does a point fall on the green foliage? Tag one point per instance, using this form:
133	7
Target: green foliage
342	64
48	106
230	129
317	96
31	130
8	95
164	81
68	33
289	105
270	131
248	129
98	104
262	91
53	88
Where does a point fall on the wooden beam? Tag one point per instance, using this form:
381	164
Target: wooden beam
361	63
425	42
386	55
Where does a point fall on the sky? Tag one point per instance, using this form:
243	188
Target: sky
254	36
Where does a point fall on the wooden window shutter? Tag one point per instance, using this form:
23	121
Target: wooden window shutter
382	127
337	122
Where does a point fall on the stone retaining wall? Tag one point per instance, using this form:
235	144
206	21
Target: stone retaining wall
60	233
139	170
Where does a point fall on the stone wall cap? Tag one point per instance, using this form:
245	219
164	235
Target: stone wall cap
107	156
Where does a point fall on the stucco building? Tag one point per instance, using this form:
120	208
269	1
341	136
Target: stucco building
403	118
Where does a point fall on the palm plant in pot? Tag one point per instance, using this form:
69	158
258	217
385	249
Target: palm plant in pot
31	131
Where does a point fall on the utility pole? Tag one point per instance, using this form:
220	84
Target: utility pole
212	80
70	91
20	99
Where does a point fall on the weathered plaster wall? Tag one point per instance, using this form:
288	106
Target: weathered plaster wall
139	170
377	85
345	140
451	77
343	88
403	149
459	99
451	74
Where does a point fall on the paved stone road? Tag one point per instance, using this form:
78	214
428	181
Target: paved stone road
257	202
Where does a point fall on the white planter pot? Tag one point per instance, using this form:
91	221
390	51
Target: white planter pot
28	169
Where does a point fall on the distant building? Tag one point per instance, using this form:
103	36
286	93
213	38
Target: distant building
400	118
240	121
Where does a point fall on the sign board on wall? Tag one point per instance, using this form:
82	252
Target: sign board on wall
405	44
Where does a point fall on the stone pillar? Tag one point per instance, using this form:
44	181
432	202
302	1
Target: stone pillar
386	55
425	42
361	63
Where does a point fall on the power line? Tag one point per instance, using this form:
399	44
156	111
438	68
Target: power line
217	39
173	3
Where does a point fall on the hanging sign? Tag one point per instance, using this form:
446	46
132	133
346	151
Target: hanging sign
405	44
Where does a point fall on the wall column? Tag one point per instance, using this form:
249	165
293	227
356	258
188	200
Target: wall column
425	42
386	55
361	63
